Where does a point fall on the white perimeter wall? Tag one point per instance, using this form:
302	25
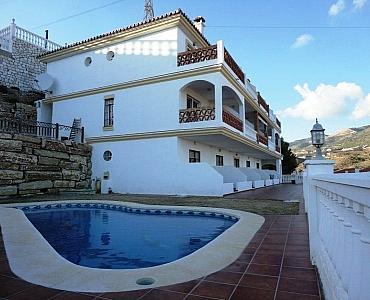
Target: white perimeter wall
208	154
151	166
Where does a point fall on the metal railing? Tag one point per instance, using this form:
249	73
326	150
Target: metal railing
41	129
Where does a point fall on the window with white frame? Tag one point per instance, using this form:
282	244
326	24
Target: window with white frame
191	102
248	163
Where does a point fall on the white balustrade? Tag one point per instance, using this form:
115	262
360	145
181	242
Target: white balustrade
297	178
338	207
8	34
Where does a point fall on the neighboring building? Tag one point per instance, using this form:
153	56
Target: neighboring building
19	49
162	107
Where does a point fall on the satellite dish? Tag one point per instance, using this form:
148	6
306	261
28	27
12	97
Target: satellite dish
44	81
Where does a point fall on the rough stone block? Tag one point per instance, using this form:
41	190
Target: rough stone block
82	184
7	136
64	184
79	159
36	185
70	165
17	158
4	165
71	175
52	154
48	161
9	174
55	146
27	138
40	168
10	145
37	175
29	192
8	190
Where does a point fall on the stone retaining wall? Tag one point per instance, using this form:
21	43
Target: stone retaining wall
21	67
31	165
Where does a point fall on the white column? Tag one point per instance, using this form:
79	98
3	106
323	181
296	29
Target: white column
218	102
313	168
220	52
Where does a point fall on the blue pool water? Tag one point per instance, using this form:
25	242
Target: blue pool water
122	239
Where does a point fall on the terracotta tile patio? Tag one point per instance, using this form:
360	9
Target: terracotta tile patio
275	265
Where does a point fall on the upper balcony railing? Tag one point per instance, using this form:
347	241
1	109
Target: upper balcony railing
196	55
278	122
263	103
209	53
196	114
234	66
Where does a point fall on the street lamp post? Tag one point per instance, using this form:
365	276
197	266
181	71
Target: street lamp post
318	138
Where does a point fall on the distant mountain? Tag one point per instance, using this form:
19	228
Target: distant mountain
357	138
349	148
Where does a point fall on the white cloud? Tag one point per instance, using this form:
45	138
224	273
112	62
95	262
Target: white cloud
358	4
302	40
325	101
362	108
337	7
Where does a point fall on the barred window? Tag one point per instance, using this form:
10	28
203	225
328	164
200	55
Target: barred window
108	112
219	160
236	162
194	156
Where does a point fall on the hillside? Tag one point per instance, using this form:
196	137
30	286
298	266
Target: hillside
350	148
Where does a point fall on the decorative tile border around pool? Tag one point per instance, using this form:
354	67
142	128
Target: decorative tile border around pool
33	259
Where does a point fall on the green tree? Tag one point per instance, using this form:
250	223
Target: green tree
289	162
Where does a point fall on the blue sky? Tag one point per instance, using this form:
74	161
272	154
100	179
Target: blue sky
302	72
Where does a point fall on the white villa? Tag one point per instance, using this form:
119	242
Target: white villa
165	111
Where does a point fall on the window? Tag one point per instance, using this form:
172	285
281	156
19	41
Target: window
189	45
107	155
194	156
191	102
257	165
219	160
108	112
88	61
236	162
248	164
110	55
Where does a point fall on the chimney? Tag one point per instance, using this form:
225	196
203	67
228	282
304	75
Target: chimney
199	23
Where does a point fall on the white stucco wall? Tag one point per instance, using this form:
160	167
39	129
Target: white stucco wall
151	166
150	55
208	154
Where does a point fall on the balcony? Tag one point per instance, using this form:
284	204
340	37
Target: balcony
196	115
231	120
262	139
209	53
262	103
278	123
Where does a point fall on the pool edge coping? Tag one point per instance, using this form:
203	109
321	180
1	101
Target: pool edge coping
28	253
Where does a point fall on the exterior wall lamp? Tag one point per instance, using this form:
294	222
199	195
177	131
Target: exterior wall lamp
318	138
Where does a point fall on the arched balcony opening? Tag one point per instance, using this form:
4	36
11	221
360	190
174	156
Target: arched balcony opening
232	108
197	102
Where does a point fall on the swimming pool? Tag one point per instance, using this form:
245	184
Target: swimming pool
118	237
32	257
